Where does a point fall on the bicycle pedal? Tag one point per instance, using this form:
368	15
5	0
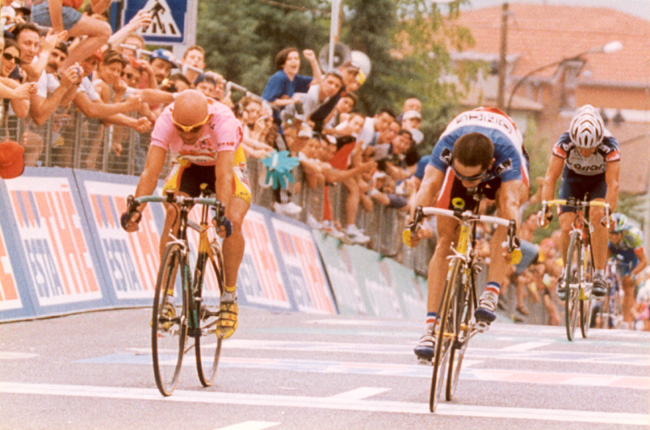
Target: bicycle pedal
482	327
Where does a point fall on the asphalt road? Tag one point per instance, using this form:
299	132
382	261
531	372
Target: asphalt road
298	371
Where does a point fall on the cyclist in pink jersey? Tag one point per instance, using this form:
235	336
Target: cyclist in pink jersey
204	138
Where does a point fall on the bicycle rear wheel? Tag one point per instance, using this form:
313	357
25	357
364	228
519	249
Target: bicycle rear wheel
208	344
169	321
586	302
463	304
444	337
572	276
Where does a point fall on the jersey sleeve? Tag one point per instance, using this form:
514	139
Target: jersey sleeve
633	238
561	147
441	154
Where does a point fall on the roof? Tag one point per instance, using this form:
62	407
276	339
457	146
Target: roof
542	34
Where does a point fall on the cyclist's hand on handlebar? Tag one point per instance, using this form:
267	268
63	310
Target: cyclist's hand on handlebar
130	221
544	219
224	227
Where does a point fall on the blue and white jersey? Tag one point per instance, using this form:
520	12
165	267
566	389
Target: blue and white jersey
509	161
631	240
595	164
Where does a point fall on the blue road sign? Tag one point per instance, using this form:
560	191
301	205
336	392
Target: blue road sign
168	23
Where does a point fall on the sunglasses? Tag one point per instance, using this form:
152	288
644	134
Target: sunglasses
474	178
10	57
127	75
190	128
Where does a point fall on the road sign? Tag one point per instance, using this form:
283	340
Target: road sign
168	23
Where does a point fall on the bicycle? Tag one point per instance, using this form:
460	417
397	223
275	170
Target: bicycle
456	325
177	316
578	264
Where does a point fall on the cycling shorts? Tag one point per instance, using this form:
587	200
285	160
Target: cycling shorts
574	185
629	262
187	178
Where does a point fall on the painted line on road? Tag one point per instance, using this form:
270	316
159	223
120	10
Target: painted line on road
391	369
360	393
328	403
6	355
526	346
512	352
250	425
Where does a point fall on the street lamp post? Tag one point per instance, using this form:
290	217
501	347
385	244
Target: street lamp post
604	49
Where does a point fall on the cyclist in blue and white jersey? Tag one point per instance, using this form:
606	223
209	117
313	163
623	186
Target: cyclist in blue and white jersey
480	150
587	157
627	241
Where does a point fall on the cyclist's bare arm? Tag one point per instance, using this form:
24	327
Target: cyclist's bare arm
509	200
643	261
612	174
426	195
555	166
148	181
223	173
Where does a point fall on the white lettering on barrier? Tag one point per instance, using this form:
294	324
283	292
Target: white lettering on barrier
50	229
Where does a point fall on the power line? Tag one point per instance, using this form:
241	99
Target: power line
292	6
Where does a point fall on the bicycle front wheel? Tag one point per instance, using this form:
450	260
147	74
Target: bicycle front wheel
169	321
462	306
572	277
444	337
208	344
586	302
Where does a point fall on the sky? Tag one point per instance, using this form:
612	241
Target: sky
640	8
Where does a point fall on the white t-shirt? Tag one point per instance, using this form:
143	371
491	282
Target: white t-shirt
47	84
87	86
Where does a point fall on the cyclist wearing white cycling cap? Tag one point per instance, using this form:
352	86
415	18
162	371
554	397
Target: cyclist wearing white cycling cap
587	157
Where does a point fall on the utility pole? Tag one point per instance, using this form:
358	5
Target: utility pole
502	57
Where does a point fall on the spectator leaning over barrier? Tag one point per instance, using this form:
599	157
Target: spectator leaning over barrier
255	127
10	59
34	50
63	15
282	86
176	83
382	119
193	59
206	84
317	95
380	144
410	104
341	112
162	62
56	89
204	139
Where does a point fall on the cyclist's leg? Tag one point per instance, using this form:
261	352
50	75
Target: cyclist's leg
628	294
599	237
233	250
508	200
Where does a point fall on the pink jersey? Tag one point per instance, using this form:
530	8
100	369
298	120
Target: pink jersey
223	132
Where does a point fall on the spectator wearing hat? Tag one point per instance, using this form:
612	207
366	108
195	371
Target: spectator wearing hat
11	160
286	82
162	62
63	15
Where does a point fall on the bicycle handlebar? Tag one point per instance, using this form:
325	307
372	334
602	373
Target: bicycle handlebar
546	206
512	241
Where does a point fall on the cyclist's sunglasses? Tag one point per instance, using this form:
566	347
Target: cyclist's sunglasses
190	128
474	178
7	56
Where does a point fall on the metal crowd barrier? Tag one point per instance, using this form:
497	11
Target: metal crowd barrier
69	139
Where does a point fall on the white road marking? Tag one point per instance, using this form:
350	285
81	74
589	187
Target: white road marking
6	355
360	393
250	425
330	403
526	346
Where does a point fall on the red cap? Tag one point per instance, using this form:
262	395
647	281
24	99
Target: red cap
12	163
99	54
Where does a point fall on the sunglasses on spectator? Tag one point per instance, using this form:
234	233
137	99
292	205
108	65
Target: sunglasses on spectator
127	75
190	128
478	177
7	56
